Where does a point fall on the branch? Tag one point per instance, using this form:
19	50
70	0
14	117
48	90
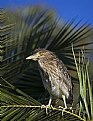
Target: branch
42	107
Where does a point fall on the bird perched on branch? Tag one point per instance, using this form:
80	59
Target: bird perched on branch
54	75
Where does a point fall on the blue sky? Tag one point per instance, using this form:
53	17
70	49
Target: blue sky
67	9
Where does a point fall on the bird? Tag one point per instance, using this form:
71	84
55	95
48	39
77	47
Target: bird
54	74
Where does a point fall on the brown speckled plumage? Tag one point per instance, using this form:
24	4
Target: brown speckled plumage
54	74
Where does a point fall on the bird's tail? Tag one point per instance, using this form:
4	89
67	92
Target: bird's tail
70	98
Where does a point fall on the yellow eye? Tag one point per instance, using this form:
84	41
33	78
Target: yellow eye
40	53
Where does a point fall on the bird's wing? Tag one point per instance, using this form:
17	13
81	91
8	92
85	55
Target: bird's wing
45	78
64	72
60	72
65	79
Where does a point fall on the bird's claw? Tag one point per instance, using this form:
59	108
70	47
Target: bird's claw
60	107
43	106
71	108
46	107
63	109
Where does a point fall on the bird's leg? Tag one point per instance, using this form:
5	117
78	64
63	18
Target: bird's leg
64	100
50	100
49	104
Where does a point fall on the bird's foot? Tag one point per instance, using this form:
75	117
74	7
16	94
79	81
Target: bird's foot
60	107
43	106
63	109
71	109
46	107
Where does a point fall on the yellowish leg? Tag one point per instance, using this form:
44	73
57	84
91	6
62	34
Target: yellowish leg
50	100
49	104
64	100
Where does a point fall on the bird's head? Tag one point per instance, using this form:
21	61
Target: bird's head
39	54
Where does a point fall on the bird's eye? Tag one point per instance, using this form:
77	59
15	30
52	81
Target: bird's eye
40	53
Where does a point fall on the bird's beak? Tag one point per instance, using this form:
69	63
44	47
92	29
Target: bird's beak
32	57
29	57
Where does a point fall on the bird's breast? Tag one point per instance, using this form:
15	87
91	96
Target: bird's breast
53	87
56	91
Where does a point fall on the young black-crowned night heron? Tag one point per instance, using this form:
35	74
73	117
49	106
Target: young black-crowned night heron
54	75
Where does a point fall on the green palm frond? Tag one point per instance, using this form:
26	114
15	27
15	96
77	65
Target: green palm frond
20	33
86	96
21	106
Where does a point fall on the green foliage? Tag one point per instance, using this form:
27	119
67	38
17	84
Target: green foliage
20	33
86	96
21	107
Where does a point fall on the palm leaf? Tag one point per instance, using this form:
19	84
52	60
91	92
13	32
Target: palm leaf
86	98
21	106
22	32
